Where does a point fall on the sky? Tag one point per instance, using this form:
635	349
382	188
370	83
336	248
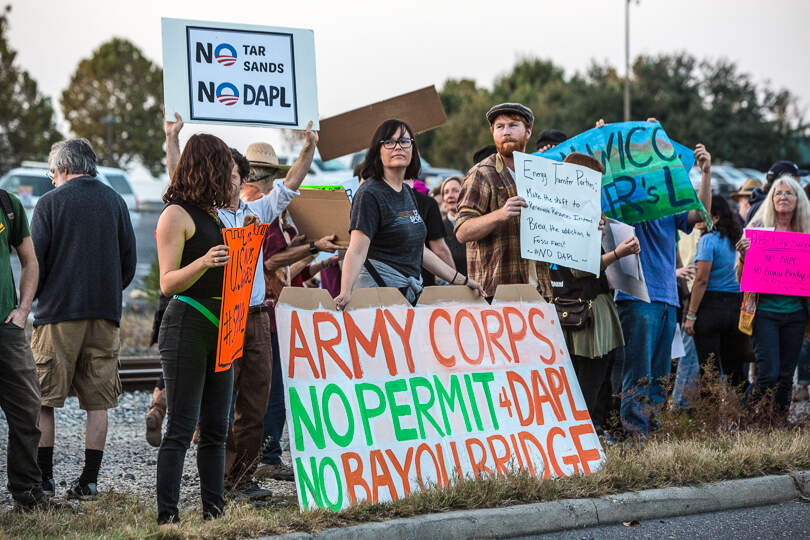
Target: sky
371	50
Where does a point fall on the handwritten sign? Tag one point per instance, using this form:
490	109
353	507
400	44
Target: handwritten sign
222	73
777	263
561	224
245	245
646	173
383	401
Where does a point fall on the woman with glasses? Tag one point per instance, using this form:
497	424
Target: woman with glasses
777	321
387	242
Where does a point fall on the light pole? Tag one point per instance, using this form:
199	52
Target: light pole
110	120
627	61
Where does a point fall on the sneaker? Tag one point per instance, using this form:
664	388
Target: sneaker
249	491
48	487
801	393
77	490
275	471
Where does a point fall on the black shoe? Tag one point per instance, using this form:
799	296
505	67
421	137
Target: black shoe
48	487
77	490
249	491
43	504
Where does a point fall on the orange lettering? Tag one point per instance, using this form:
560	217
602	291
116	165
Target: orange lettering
557	389
541	337
379	333
381	477
404	334
402	471
354	477
500	461
579	414
552	457
419	451
524	436
538	385
297	334
478	465
492	337
514	337
513	378
447	361
463	313
585	456
328	345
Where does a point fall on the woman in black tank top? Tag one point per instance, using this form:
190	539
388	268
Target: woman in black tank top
192	258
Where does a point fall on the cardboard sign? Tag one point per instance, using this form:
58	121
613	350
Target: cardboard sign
318	213
222	73
561	224
627	274
245	245
384	399
646	173
351	131
777	263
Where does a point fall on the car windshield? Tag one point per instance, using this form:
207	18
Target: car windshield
333	165
119	183
30	185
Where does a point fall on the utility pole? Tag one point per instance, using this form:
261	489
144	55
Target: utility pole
627	61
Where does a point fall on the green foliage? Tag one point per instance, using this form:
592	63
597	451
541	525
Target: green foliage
150	283
27	127
117	81
747	124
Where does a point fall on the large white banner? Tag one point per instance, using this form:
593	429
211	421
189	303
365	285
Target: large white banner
221	73
561	224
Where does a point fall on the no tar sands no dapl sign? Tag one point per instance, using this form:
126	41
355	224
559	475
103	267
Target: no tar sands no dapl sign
561	224
221	73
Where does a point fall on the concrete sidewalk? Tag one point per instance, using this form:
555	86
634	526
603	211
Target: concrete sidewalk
529	519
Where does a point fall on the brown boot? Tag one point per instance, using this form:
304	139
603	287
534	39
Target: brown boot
154	418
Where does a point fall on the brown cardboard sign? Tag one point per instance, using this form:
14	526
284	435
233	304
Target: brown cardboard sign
351	131
318	213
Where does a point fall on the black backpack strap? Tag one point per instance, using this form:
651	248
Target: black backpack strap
8	210
374	274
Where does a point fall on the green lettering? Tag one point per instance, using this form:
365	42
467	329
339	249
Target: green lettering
314	425
365	412
485	379
447	401
473	402
345	439
307	483
423	409
337	505
397	411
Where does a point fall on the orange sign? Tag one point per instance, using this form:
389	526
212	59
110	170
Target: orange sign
245	245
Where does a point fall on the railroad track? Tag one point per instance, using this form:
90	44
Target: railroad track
139	372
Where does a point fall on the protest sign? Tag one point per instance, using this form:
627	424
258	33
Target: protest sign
351	131
646	173
384	399
245	244
626	275
777	262
222	73
561	223
318	213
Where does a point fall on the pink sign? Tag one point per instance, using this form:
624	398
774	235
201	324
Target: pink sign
777	263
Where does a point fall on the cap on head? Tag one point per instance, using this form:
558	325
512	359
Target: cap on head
263	162
482	153
510	108
784	167
551	136
578	158
747	188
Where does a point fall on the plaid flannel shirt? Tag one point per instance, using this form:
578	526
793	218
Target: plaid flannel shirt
495	259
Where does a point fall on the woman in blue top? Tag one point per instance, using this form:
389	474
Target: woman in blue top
714	308
778	320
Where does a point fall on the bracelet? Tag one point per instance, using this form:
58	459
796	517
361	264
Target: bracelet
453	281
691	317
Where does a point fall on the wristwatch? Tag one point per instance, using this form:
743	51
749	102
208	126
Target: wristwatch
312	248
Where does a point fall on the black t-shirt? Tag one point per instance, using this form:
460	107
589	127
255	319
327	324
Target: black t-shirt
457	249
391	220
432	216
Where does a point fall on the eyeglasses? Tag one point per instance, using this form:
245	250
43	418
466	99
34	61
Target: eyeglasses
787	194
404	143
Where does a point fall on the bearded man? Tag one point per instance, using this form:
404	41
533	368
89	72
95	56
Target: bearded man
488	218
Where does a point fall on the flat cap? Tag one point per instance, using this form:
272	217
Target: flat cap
507	108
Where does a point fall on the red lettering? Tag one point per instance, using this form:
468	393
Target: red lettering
462	314
296	335
447	361
378	334
328	345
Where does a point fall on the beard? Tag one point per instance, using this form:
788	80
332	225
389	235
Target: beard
507	147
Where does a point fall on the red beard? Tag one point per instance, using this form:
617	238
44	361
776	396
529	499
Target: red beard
507	147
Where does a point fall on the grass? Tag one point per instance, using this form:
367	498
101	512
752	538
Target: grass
662	461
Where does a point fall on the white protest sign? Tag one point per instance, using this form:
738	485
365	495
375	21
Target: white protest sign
561	224
624	277
222	73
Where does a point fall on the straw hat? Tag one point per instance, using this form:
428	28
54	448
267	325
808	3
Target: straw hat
261	155
747	188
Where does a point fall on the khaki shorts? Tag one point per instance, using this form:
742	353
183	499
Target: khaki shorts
82	354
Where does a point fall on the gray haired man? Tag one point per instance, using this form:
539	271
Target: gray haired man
85	247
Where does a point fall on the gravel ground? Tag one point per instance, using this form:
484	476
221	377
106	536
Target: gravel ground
129	462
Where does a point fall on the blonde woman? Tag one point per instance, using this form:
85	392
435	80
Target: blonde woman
776	321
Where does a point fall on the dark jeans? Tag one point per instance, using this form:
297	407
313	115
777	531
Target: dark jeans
20	401
648	331
804	363
717	332
276	412
608	399
777	341
252	381
194	392
591	374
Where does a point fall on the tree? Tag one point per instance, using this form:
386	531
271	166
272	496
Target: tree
27	127
114	100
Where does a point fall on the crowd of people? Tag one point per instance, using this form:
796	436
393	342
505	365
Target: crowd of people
80	254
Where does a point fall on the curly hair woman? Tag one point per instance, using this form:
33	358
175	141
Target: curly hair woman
192	260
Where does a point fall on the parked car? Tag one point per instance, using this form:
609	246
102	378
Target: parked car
119	181
322	172
755	174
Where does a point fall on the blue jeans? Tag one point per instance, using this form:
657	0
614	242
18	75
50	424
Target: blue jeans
804	363
648	331
276	412
777	340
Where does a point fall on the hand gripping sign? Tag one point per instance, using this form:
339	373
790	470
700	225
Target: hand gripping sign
384	399
245	245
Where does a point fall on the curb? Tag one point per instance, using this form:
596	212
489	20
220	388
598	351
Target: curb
537	518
